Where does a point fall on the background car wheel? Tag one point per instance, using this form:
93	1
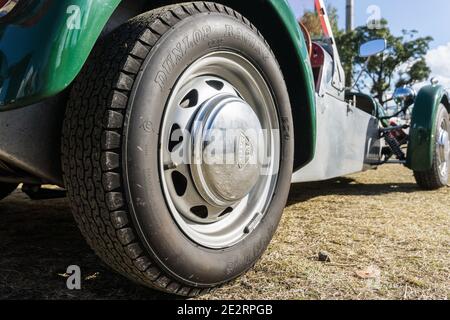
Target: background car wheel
6	189
437	177
168	224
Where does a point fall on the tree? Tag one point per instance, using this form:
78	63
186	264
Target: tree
403	63
311	21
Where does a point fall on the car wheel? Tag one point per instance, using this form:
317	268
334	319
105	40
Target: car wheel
149	188
437	177
6	189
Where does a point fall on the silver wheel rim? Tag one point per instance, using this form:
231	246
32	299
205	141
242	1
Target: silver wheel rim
219	203
443	149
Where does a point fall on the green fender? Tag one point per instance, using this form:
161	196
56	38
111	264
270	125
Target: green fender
305	128
421	145
44	48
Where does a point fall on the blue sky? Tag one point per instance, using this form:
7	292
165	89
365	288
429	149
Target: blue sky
429	18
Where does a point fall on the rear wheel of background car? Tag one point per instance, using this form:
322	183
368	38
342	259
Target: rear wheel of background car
140	147
6	189
437	177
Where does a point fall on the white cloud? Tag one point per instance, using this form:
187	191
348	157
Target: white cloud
438	60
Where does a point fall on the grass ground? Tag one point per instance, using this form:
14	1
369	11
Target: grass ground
385	239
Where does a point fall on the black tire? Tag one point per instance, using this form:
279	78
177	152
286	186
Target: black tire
6	189
108	114
434	179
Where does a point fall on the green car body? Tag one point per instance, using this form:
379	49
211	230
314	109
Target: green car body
55	49
61	35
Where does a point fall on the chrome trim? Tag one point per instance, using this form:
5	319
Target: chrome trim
234	199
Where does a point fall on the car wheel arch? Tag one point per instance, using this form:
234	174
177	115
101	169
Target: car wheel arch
423	125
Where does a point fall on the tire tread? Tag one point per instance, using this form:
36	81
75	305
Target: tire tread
92	139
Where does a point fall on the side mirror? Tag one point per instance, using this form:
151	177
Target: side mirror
372	48
404	96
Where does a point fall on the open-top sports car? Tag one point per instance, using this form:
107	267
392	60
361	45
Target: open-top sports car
177	127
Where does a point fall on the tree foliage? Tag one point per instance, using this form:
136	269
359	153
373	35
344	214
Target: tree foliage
311	21
403	63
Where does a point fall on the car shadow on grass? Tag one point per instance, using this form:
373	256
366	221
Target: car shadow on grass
346	187
38	241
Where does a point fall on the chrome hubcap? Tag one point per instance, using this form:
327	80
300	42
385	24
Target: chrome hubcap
219	150
224	165
443	149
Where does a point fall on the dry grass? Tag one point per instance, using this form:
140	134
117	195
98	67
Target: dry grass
377	219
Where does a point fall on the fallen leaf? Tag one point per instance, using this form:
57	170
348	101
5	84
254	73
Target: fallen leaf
371	272
92	276
64	275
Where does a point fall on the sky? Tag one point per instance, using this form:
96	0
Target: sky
429	18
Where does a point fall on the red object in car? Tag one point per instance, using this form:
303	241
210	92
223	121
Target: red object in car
317	56
399	134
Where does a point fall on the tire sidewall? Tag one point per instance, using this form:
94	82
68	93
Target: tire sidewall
165	242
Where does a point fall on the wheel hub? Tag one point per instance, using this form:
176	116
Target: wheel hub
219	149
225	135
443	145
